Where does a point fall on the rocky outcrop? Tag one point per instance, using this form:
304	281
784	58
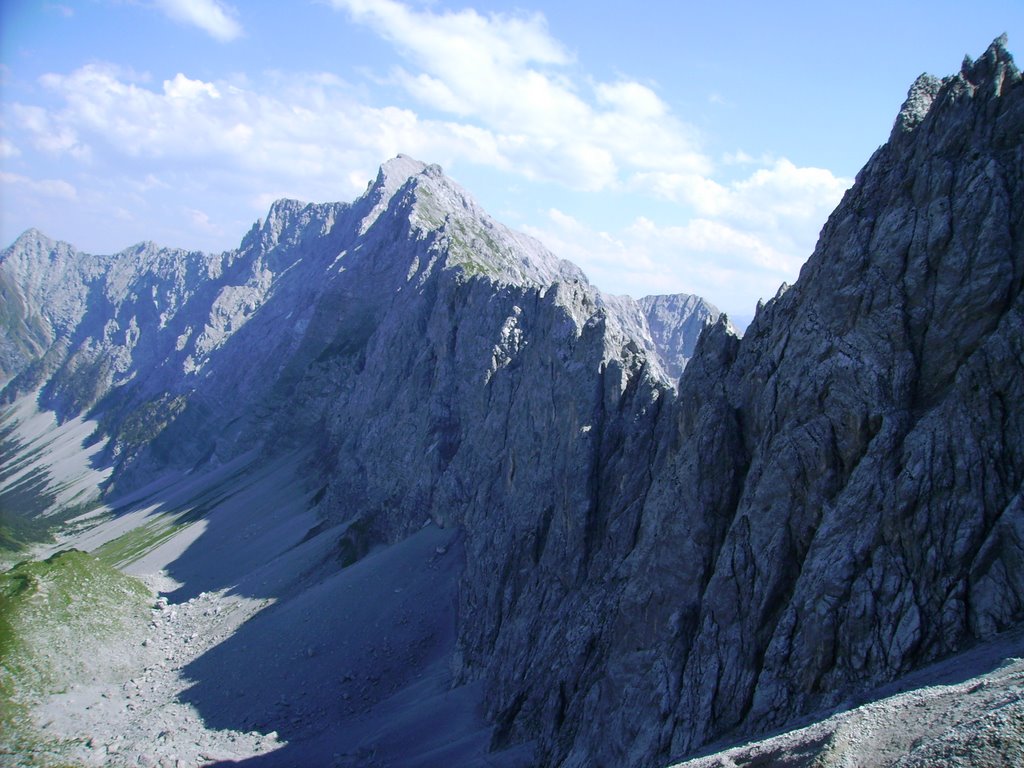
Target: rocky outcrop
835	499
875	404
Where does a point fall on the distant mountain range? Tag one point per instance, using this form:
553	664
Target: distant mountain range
629	532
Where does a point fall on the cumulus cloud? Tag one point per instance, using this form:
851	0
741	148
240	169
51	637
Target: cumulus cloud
211	16
302	134
508	75
781	190
748	238
304	126
49	188
497	91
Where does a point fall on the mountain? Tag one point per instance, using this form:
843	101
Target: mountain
843	484
676	322
423	495
410	357
129	334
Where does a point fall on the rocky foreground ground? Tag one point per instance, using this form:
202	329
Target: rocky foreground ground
965	711
126	711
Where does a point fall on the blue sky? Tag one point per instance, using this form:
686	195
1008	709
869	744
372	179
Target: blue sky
665	147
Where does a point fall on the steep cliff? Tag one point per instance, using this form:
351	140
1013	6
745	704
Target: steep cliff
875	404
156	341
835	499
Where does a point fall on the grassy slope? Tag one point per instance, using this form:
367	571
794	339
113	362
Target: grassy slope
56	616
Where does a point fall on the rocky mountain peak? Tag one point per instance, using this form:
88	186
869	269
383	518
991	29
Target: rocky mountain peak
993	65
393	176
395	172
435	208
30	238
987	77
918	102
30	246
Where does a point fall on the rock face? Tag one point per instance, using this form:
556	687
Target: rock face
154	339
676	322
822	506
835	499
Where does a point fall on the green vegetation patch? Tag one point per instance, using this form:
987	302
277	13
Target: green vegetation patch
139	541
58	621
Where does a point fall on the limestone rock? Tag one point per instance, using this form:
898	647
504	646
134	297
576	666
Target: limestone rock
837	497
807	512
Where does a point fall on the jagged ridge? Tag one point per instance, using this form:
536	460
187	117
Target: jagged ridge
823	505
836	498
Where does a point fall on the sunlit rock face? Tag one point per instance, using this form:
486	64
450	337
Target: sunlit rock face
668	533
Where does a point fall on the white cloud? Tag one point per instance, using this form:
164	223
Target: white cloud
788	191
781	190
201	221
47	134
747	238
495	43
49	188
500	93
631	98
768	221
7	149
739	157
714	244
507	75
211	16
183	88
304	132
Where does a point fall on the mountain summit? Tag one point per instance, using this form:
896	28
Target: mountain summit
474	511
308	279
